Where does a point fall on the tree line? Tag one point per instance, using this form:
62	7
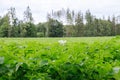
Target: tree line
62	23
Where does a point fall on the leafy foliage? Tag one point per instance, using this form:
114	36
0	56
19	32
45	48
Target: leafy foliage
46	59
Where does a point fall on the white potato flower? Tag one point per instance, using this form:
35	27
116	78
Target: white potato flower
62	42
116	69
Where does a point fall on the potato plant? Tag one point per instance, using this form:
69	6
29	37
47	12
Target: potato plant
60	58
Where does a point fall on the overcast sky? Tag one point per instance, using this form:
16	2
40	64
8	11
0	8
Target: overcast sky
41	7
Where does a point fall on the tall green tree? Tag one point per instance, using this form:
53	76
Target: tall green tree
69	17
79	25
55	28
89	29
13	22
28	15
113	32
70	28
30	28
101	27
117	29
21	29
41	29
4	26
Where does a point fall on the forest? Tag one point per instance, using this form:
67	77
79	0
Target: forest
61	23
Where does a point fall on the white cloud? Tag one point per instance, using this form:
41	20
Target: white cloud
41	7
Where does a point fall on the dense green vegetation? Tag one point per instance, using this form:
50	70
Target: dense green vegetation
95	58
60	23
